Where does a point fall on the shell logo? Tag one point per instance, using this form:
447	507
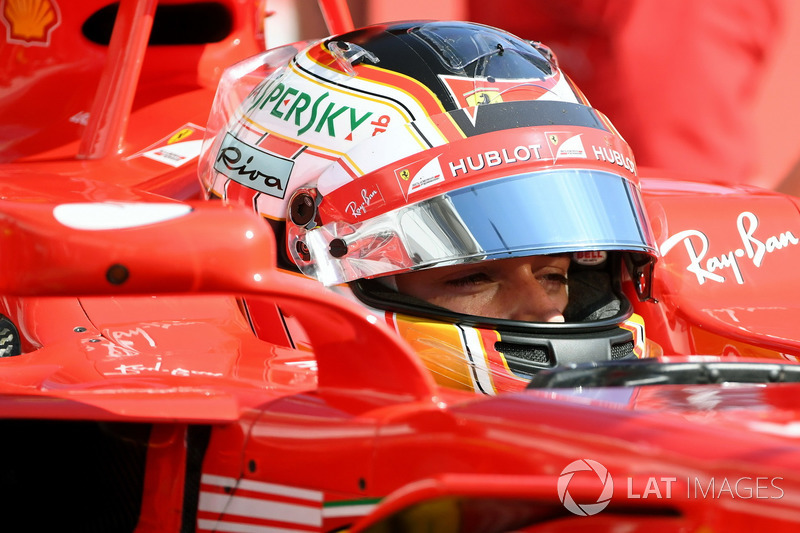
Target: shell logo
29	22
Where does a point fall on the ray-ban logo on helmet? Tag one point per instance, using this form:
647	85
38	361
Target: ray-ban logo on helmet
591	473
369	197
252	167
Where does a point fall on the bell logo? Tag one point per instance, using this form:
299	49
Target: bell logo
585	467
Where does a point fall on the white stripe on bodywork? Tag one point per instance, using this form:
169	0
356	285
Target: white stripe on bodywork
236	527
260	486
260	508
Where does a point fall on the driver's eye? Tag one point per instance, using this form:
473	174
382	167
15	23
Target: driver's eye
553	282
470	279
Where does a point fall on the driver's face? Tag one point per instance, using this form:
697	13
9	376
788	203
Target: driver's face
530	289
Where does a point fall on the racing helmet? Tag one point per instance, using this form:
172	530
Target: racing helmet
417	145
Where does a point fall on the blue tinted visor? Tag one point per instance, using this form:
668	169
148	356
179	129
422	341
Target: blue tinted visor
555	211
545	212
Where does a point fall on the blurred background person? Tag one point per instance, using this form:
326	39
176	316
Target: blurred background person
680	79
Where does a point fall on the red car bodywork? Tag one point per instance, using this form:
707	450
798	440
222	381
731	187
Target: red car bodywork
149	396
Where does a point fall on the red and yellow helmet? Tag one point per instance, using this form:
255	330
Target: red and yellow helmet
418	145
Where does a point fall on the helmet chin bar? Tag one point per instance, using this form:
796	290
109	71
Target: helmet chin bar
527	355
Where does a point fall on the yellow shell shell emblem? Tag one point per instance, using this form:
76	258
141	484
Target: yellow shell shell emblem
30	22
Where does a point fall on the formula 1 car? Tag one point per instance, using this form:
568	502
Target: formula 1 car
138	393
